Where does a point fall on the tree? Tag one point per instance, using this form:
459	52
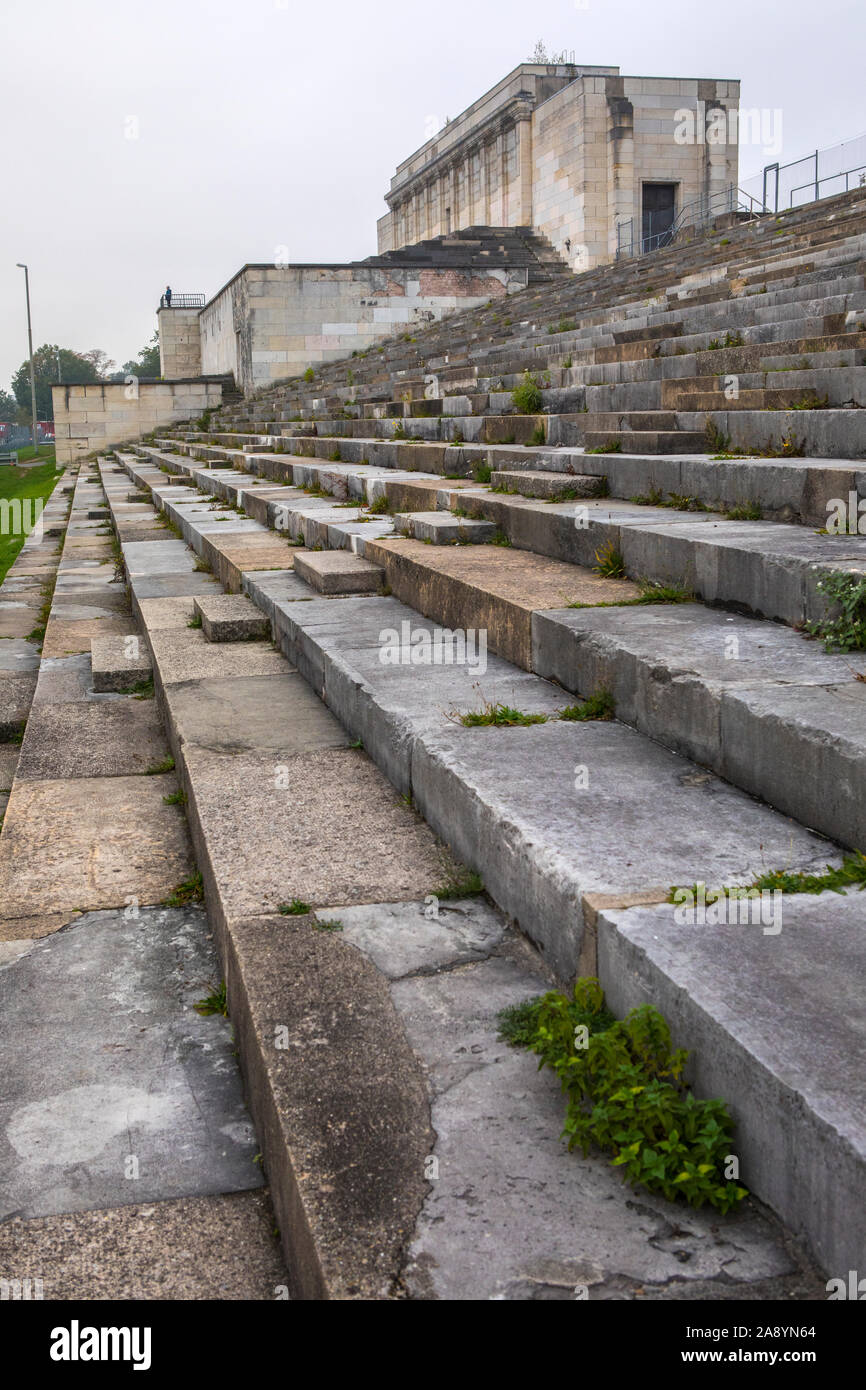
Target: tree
100	361
75	369
8	406
147	362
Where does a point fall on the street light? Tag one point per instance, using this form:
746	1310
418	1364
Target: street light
22	266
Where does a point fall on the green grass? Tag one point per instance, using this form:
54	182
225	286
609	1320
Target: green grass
215	1003
460	883
499	715
22	483
597	706
177	798
296	908
850	874
190	891
167	765
651	592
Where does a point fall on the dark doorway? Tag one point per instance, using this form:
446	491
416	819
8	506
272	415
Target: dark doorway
659	208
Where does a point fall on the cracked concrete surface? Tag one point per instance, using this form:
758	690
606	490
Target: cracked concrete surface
510	1214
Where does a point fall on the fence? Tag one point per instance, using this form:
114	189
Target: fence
183	301
822	174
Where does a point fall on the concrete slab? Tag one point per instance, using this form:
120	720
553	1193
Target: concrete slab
324	827
591	808
127	1069
85	844
494	588
16	695
566	1222
743	1001
338	572
238	714
92	739
17	656
160	613
420	938
74	637
218	1247
173	585
185	655
150	559
118	663
231	618
441	528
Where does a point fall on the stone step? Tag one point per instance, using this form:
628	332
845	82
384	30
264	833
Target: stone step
751	700
505	799
768	569
229	618
443	528
119	663
538	483
674	441
338	572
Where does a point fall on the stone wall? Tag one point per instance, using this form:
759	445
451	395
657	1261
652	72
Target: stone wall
179	343
97	417
272	322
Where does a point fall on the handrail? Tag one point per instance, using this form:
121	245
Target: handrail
183	301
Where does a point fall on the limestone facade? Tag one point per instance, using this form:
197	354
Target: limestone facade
108	413
568	150
270	322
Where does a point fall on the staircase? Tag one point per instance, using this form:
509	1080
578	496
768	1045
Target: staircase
655	530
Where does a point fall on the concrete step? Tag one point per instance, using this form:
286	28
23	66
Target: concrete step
538	483
673	441
442	528
338	572
752	700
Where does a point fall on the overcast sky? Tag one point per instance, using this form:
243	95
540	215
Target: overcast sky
175	140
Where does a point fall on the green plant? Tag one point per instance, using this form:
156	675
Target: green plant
654	498
459	882
597	706
500	538
843	628
481	472
309	375
538	438
190	891
195	621
215	1003
625	1094
167	765
177	798
717	441
526	397
380	506
296	908
746	511
614	446
499	715
834	879
334	456
327	926
609	562
730	340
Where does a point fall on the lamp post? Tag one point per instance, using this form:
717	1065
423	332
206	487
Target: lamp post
23	267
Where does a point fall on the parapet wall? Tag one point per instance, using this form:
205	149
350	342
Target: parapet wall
272	322
96	417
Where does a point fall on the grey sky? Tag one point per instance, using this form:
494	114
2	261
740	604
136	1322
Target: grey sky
278	123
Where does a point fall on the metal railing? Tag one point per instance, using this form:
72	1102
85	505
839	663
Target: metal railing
836	169
183	301
700	212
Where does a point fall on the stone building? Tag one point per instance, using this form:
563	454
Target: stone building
571	151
